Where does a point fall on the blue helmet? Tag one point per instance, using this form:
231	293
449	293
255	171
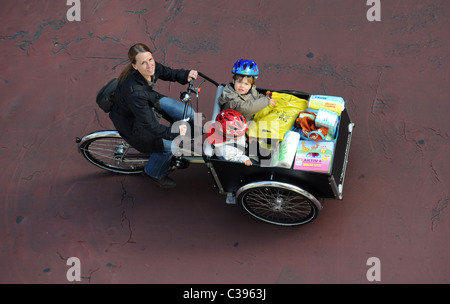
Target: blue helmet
245	68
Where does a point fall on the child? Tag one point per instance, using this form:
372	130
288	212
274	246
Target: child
241	94
227	135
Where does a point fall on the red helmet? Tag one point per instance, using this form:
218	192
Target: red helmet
229	120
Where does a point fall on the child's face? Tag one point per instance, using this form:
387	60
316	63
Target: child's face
242	85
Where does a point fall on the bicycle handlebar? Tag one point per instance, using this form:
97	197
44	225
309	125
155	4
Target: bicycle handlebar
209	79
186	96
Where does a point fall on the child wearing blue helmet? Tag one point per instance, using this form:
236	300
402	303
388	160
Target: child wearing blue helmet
241	94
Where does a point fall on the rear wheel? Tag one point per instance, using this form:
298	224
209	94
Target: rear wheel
278	203
109	151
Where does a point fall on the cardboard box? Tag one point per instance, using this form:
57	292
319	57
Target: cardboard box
315	156
328	119
332	103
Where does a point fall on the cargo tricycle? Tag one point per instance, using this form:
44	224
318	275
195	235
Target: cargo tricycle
276	195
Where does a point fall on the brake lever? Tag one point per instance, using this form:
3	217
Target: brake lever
192	89
186	96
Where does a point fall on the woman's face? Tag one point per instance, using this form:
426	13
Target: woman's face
242	85
145	64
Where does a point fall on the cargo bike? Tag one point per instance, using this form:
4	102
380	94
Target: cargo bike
276	195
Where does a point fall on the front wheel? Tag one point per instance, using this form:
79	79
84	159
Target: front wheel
109	151
278	203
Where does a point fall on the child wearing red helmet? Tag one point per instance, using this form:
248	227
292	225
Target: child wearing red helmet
241	94
227	135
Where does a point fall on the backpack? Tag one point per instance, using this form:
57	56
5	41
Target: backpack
107	96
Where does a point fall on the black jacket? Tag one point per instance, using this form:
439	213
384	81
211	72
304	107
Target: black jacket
133	114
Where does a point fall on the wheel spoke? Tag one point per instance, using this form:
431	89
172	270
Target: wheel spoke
278	205
114	154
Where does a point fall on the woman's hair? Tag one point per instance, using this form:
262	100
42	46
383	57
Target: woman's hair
132	53
251	79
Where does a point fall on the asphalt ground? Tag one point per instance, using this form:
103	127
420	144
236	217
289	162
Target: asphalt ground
393	73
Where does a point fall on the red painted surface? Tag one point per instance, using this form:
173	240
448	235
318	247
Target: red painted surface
393	73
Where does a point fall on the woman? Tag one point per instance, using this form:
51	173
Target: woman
137	113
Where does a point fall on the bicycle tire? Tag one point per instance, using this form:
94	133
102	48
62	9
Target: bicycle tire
109	151
278	203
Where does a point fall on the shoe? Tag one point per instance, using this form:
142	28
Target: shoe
163	182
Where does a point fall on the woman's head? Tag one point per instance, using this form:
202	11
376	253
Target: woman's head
141	59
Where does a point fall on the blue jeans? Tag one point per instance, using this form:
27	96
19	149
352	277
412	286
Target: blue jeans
159	163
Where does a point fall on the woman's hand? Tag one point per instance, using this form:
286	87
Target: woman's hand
248	163
183	129
192	75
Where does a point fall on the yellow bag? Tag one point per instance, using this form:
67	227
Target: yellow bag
273	122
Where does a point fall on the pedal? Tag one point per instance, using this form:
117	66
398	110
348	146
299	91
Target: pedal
178	163
231	199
